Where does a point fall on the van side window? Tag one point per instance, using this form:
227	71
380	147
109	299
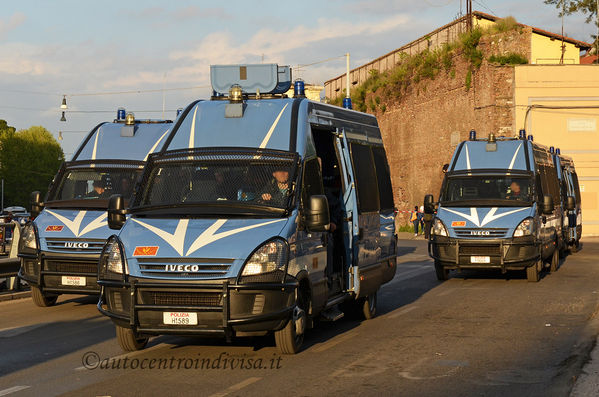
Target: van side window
383	178
312	181
576	187
366	182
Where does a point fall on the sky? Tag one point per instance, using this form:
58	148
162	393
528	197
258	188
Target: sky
151	55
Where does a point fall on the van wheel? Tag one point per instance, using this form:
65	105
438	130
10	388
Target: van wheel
442	273
369	306
554	261
41	299
128	340
289	340
533	273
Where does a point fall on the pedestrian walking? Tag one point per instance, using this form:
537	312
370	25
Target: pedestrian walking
421	218
415	221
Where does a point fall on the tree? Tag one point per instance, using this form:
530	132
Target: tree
586	7
28	161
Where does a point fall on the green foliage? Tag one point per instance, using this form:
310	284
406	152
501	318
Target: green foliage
383	108
512	58
469	44
587	7
505	25
28	161
405	228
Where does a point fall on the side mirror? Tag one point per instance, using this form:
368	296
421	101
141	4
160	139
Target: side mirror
548	205
429	204
570	203
116	212
36	204
316	216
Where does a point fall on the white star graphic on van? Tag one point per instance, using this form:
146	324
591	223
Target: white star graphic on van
210	235
75	224
490	217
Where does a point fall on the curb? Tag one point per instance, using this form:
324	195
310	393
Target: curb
9	296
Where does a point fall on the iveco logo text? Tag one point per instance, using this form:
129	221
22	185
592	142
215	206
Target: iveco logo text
69	244
480	233
182	268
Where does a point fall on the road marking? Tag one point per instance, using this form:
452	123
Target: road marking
14	331
403	311
327	345
13	389
236	387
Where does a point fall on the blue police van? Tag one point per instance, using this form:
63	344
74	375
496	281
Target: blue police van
260	214
497	209
59	249
570	202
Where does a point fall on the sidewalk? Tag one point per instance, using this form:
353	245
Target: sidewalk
409	236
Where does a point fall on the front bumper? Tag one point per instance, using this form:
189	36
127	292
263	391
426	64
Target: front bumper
223	308
505	254
61	274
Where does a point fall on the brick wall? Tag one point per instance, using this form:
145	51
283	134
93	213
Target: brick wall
422	129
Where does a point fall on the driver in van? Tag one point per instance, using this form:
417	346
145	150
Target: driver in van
514	193
277	190
97	191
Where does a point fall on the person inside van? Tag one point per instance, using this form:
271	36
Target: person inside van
126	188
514	192
97	191
277	190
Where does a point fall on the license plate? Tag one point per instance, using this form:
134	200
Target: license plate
480	259
73	280
179	318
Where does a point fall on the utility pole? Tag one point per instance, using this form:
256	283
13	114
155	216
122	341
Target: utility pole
561	59
347	75
469	15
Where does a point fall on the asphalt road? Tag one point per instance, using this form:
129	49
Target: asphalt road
479	333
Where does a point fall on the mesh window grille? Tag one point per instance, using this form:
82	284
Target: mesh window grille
218	176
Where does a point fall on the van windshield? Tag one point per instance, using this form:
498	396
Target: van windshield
91	187
218	183
485	190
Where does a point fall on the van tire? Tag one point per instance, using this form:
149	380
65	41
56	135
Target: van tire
369	306
128	341
554	261
442	273
41	299
532	272
287	339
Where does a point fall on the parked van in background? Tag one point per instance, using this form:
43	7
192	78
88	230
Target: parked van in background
59	249
497	208
260	214
570	201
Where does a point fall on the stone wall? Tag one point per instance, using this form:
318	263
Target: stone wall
421	130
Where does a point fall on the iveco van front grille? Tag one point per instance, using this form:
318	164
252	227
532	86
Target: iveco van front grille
487	250
480	233
209	299
75	245
198	268
71	267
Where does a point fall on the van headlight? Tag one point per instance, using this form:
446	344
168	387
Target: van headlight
112	264
28	242
525	228
270	257
439	228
